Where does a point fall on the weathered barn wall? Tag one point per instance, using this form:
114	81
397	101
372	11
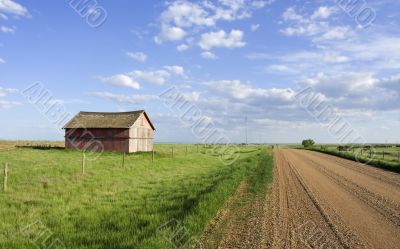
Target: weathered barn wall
141	135
124	131
115	139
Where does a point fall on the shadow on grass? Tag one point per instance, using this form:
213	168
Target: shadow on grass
40	147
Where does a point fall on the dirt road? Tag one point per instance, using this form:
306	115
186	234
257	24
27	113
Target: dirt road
321	201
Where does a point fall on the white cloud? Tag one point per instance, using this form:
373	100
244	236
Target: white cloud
5	91
138	56
158	77
184	17
186	14
122	80
209	55
357	90
182	47
235	89
135	78
338	33
7	30
291	15
323	12
340	85
178	70
2	61
302	57
234	39
280	68
315	25
4	17
124	99
5	104
258	4
255	27
11	7
171	34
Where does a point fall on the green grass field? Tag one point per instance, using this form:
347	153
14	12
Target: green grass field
387	157
140	206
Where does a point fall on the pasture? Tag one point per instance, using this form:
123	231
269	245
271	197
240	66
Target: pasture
50	202
382	156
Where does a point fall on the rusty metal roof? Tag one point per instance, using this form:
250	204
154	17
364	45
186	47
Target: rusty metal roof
105	120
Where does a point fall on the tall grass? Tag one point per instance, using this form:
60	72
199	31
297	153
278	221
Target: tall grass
113	207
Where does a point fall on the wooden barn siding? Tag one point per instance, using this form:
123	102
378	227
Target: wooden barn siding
141	136
110	139
137	138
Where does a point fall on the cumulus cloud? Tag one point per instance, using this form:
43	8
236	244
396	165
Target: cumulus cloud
5	91
178	70
157	77
301	62
7	30
357	90
183	17
5	104
138	56
314	25
171	34
343	85
336	33
238	90
208	55
182	47
12	7
121	80
135	78
221	39
323	12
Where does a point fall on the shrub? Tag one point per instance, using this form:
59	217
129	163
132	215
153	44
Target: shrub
308	143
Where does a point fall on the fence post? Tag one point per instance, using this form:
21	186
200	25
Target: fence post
152	157
83	163
123	160
5	177
186	150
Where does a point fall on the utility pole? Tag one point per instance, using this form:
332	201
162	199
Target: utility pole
246	129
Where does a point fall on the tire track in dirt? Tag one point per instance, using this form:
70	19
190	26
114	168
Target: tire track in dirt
386	207
298	219
321	202
363	169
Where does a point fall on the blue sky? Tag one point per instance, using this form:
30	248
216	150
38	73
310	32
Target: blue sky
231	59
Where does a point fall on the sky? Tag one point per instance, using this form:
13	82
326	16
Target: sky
240	63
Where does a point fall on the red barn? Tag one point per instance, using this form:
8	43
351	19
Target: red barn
112	131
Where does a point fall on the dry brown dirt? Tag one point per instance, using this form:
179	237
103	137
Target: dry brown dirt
321	201
315	201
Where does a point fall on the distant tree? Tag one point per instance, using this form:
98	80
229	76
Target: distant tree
308	143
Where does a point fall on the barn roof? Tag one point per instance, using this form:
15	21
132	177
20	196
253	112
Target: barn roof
105	120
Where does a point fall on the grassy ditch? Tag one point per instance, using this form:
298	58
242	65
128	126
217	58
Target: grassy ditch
141	205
